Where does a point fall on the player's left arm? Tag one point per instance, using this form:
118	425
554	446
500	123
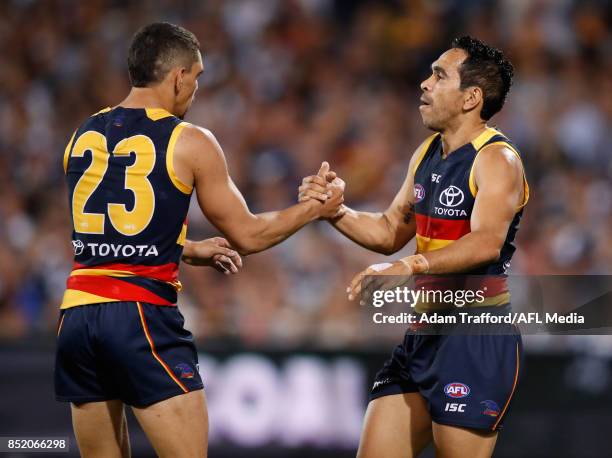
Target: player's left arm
499	178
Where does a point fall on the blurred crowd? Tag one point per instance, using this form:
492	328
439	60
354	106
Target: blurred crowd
288	84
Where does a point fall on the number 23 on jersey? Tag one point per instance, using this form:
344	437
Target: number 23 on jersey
127	222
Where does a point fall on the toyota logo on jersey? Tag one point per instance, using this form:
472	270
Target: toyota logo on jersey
451	197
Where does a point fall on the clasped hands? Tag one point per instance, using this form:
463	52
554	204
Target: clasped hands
328	188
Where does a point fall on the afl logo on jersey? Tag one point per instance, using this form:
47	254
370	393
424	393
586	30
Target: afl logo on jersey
419	193
451	197
456	390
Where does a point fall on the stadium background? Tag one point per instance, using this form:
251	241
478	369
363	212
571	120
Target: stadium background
286	85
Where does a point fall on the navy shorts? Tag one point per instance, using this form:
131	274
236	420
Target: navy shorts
133	351
467	379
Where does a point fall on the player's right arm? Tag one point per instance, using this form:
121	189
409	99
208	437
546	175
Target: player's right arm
384	232
199	161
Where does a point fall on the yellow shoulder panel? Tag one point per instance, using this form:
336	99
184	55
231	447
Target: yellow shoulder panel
155	114
421	154
485	137
186	189
103	110
67	151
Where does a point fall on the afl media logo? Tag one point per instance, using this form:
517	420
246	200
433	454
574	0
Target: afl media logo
419	193
451	197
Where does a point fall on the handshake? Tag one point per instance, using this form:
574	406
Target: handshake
320	196
324	193
327	188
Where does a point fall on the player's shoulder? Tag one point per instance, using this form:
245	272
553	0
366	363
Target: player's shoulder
193	131
197	143
498	156
97	117
153	115
102	111
93	118
498	148
194	135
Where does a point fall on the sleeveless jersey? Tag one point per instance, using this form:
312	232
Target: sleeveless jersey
444	195
128	208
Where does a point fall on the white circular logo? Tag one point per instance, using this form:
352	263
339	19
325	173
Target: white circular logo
78	247
451	197
419	193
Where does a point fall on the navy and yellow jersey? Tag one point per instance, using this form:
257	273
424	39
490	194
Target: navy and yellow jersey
445	192
128	208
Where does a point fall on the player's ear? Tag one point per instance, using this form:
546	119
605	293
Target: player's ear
179	74
472	97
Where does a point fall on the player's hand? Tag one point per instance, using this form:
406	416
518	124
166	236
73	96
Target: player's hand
401	270
360	283
317	186
333	207
215	252
325	187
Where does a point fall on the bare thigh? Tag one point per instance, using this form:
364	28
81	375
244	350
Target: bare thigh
396	426
456	442
177	426
100	429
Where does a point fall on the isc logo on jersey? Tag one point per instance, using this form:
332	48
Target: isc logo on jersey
456	390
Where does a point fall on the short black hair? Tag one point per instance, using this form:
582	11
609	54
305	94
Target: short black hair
156	48
487	68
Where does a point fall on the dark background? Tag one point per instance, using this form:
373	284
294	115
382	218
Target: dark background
562	408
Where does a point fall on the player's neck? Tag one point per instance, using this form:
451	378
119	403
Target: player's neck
146	97
455	137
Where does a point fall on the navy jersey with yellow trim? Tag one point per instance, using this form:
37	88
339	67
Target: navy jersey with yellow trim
128	208
444	196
